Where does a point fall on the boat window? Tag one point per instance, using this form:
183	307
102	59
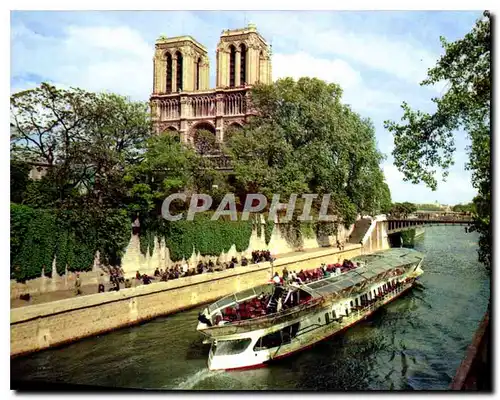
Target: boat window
226	301
245	295
269	341
230	347
275	339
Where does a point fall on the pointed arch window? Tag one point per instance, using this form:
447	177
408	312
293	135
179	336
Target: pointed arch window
197	74
179	70
260	66
243	65
169	73
232	66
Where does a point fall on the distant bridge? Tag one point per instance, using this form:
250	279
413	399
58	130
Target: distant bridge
416	221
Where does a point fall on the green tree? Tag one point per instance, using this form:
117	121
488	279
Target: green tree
385	198
304	140
204	142
402	210
425	141
465	208
167	167
19	180
428	207
86	139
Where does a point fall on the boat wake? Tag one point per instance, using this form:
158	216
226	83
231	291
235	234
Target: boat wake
191	381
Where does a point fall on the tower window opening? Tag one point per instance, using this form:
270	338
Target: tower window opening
169	73
243	65
179	70
232	66
260	67
197	85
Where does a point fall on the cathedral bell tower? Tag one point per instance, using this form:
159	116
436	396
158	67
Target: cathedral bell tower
180	65
243	58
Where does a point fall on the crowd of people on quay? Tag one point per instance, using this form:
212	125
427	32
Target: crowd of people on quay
261	256
117	278
181	270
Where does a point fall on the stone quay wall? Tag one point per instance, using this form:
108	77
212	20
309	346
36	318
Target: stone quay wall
38	327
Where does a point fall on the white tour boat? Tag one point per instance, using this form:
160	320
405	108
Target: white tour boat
253	327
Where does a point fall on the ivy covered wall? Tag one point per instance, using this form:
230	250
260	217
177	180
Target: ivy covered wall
39	236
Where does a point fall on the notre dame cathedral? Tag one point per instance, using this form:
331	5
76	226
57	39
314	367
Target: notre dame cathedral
182	101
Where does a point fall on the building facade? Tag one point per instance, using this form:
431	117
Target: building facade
182	101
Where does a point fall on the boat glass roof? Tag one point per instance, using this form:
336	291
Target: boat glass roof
372	265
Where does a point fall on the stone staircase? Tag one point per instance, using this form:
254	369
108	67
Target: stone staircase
360	228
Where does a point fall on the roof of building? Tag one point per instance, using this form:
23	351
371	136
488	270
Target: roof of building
250	28
176	39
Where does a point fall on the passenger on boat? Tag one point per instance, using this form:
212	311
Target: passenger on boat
285	274
302	276
157	272
204	320
137	275
244	261
280	305
276	279
297	278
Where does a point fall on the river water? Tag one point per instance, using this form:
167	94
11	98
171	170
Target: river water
415	343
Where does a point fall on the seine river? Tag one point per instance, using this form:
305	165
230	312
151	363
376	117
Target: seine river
415	343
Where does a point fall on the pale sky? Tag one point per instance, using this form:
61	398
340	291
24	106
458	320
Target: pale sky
377	57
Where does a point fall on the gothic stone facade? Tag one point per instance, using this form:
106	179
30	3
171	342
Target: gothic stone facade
182	101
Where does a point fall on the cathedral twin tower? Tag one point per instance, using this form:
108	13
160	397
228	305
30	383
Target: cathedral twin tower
182	101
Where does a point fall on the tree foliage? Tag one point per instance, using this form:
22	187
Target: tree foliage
428	207
425	141
19	180
85	139
204	142
402	210
465	208
304	140
38	236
